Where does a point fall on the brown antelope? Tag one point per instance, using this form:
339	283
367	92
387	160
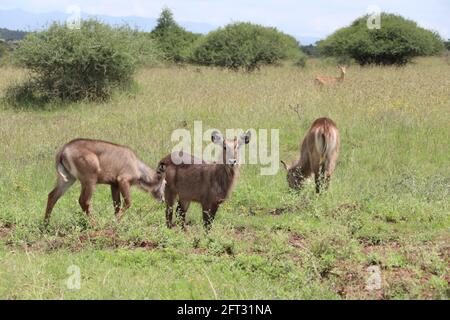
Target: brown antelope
323	80
318	155
99	162
209	184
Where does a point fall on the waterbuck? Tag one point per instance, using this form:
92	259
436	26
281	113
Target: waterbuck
99	162
318	155
323	80
209	184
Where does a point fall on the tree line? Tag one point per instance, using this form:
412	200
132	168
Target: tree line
90	62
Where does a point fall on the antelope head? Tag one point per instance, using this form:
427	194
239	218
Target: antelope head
230	148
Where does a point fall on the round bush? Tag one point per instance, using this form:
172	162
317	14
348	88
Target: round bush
84	63
396	42
245	45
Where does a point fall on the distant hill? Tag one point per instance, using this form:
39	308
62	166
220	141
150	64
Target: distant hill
11	35
27	21
23	20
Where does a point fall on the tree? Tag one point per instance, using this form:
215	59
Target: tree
86	63
247	46
447	44
396	42
11	35
175	42
165	22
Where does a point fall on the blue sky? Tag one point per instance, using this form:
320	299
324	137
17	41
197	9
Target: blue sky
316	18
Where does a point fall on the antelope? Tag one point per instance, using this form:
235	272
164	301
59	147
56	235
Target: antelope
209	184
323	80
318	155
95	162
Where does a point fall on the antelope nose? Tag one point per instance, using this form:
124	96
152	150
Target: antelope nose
233	162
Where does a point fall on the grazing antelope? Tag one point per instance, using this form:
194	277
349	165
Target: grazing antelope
209	184
318	155
323	80
99	162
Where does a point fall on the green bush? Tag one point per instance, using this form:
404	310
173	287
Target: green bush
396	42
245	45
3	51
301	61
447	44
174	41
85	63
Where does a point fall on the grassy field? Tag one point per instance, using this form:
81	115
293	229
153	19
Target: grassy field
388	203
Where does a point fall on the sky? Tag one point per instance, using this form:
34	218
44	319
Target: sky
314	18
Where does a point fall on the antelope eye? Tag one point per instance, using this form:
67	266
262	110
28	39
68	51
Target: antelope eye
224	148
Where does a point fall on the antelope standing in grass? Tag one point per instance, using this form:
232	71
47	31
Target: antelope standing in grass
318	155
209	184
95	162
323	80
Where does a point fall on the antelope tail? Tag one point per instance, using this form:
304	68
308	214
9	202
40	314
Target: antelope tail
60	169
321	142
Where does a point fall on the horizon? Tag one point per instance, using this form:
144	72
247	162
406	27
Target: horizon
306	21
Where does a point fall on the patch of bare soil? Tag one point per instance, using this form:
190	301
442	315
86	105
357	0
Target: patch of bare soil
277	211
381	248
199	250
98	234
297	241
412	282
111	237
145	244
350	281
403	281
6	230
349	207
105	238
291	208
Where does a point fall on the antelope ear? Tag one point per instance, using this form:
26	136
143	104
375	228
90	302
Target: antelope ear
216	137
245	138
284	165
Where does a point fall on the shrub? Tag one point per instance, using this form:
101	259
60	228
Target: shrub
3	51
396	42
447	44
301	61
174	41
310	50
85	63
245	45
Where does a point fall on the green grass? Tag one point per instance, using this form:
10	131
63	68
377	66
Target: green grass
387	206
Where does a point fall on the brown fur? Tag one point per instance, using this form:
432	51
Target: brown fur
318	155
209	184
323	80
95	162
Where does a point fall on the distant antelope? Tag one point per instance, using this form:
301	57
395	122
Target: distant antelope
322	80
99	162
318	155
209	184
